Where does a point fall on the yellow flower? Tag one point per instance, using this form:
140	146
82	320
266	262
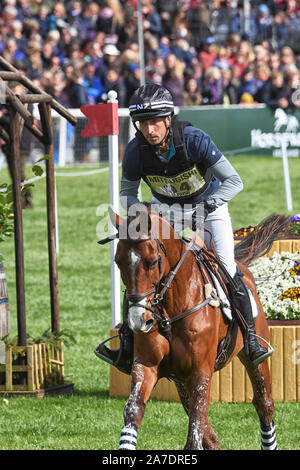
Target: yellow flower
293	293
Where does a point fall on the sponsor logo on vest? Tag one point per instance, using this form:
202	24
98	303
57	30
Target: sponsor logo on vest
285	131
180	185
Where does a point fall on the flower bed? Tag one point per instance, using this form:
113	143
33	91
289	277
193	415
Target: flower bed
278	285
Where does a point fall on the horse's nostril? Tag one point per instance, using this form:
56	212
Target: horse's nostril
149	322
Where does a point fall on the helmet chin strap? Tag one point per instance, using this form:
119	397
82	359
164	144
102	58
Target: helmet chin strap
165	139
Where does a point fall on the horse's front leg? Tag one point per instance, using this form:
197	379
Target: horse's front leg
200	434
143	379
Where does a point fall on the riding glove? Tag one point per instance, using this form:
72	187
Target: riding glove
197	216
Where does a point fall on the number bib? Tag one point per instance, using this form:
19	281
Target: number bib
182	185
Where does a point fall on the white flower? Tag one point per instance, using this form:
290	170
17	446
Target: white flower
272	278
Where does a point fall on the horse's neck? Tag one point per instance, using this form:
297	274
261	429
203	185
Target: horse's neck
175	249
178	298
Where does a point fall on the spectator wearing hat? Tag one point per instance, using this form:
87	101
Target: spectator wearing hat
263	24
208	55
248	84
110	57
246	99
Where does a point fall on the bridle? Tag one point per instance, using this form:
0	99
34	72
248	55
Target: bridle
159	290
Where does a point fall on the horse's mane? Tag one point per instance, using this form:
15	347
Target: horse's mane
147	215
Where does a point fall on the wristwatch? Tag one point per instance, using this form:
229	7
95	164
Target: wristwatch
210	205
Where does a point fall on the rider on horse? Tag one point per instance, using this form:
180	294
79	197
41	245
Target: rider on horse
164	148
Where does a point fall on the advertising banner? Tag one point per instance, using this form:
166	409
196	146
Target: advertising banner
237	129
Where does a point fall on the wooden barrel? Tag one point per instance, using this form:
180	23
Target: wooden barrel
4	308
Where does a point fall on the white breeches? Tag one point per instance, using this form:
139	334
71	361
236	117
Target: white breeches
219	225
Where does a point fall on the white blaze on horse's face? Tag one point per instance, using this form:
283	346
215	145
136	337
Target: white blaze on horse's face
136	319
134	260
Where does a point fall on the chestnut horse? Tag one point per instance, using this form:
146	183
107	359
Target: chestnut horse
177	333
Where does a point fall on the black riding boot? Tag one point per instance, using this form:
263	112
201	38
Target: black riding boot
121	358
241	301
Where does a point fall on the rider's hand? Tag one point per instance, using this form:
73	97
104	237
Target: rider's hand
209	206
201	213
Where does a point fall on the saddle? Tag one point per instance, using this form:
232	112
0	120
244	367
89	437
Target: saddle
216	280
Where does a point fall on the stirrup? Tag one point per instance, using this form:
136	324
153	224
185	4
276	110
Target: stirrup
267	354
113	356
103	352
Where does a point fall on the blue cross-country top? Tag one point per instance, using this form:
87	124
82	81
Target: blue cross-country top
192	170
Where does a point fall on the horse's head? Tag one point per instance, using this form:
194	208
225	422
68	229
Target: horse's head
141	258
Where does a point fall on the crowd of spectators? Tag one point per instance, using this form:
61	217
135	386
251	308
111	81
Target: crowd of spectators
204	52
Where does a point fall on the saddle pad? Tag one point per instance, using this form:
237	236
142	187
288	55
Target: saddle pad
226	307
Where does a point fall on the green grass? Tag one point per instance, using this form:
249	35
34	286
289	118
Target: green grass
90	419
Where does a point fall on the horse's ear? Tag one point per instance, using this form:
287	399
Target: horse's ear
115	218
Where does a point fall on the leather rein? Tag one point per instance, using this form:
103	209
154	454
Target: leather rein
164	323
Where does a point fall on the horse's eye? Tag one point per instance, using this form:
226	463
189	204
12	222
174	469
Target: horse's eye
153	264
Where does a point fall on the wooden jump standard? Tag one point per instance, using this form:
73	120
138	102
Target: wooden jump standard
20	116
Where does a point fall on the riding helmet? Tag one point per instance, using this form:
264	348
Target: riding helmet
150	101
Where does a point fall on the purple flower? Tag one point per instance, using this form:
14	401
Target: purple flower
295	218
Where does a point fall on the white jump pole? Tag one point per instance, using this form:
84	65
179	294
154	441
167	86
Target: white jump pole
287	183
113	151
